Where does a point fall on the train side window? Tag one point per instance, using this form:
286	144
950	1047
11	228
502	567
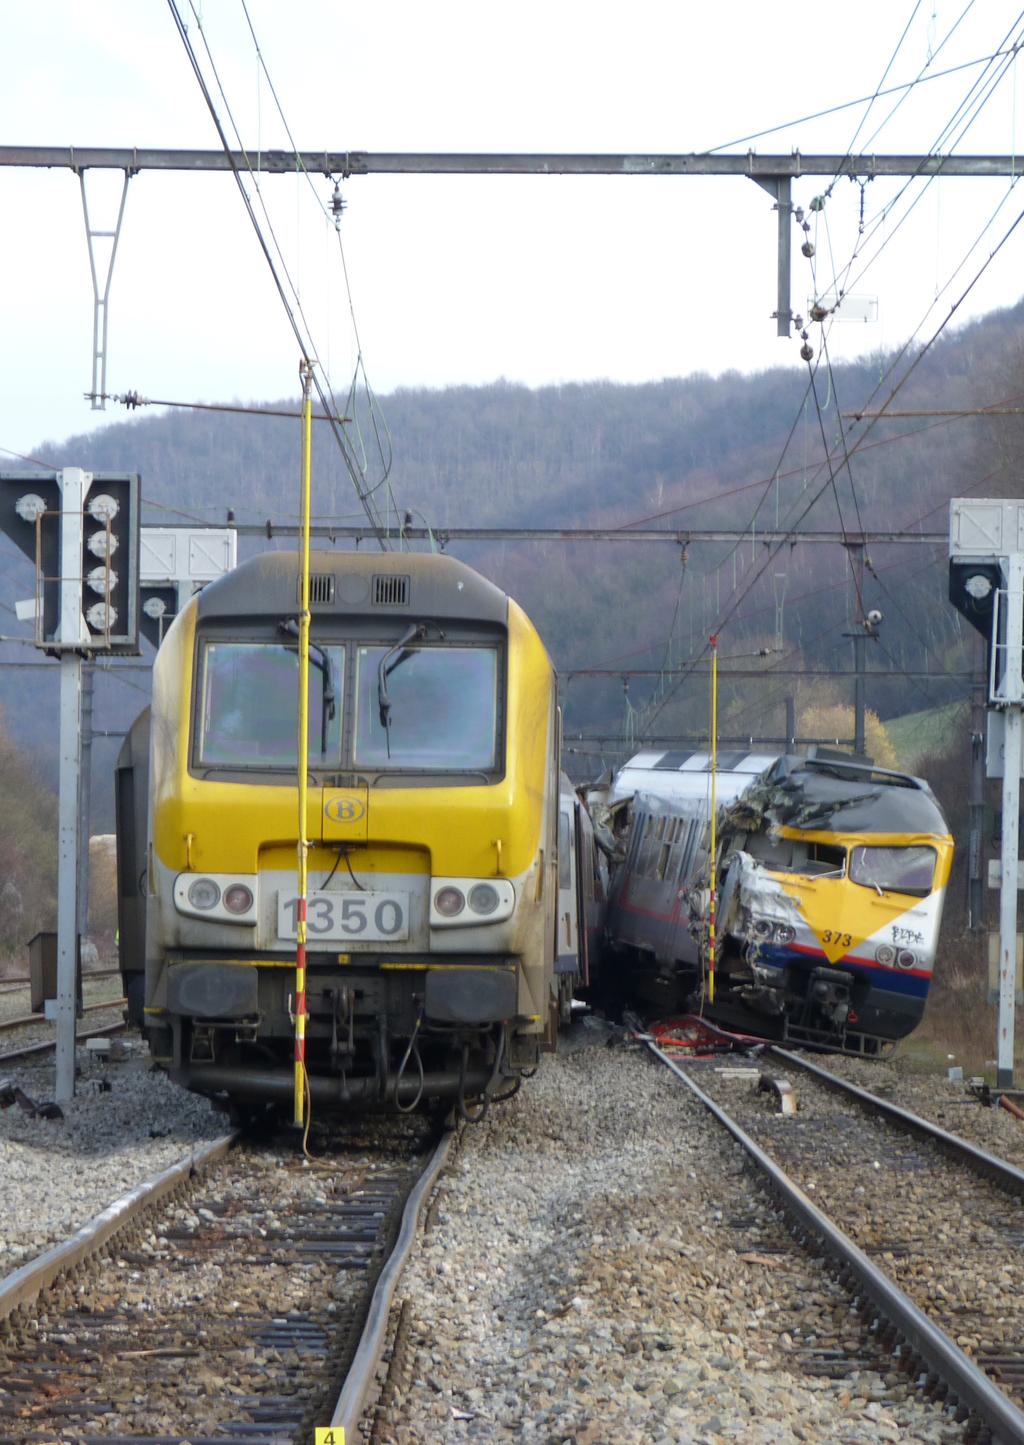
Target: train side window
693	828
663	859
647	853
635	837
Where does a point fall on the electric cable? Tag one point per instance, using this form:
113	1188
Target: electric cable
304	347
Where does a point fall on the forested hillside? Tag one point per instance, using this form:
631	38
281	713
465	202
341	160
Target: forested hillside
732	451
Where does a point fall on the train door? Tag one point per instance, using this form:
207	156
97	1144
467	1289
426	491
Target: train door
589	891
567	947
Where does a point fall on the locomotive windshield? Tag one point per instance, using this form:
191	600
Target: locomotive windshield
248	712
443	711
895	870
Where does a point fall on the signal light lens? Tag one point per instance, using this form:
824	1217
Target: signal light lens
449	902
102	544
204	893
905	958
238	898
483	898
102	507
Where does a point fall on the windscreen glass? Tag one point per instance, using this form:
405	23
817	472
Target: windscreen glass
896	870
249	713
443	712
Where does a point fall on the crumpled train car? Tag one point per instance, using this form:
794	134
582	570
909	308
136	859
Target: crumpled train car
830	877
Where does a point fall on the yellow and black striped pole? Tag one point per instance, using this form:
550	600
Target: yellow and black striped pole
306	373
713	905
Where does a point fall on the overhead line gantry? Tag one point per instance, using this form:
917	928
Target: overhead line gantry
774	173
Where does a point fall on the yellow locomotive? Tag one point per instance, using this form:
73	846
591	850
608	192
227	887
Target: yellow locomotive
433	822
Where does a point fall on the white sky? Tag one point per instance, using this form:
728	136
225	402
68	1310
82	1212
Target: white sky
468	279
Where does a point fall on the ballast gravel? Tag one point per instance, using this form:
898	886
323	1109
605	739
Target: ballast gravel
125	1124
598	1268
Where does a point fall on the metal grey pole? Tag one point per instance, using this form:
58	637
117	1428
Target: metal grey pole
1012	693
976	795
67	870
85	797
74	486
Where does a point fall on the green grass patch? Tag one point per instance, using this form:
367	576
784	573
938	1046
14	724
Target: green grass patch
917	735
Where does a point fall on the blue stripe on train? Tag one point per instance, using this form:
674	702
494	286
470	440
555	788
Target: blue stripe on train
885	979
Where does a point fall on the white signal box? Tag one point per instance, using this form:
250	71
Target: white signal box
186	554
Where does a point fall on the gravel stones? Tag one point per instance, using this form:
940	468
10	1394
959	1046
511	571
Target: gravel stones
56	1174
599	1267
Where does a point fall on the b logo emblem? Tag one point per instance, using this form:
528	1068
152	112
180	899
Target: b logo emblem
344	810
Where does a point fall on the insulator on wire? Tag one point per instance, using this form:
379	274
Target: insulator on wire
807	249
338	204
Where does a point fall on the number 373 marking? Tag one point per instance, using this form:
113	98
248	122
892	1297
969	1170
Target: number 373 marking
843	940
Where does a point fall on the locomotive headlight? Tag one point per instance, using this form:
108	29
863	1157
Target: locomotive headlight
885	954
470	902
906	959
217	897
784	933
204	893
484	898
238	898
449	901
761	928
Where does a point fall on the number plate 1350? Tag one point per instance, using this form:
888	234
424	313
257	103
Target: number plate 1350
373	917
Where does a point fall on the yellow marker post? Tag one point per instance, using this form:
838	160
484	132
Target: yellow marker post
714	818
306	372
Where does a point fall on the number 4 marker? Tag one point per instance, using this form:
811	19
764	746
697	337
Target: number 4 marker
329	1435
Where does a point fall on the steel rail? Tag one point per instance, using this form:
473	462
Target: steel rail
971	1387
360	1378
1007	1176
24	1021
7	1055
11	985
24	1285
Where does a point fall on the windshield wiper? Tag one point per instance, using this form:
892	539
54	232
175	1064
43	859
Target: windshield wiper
413	633
321	661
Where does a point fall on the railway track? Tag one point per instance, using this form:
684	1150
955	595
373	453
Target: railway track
224	1302
24	1021
21	985
923	1228
42	1039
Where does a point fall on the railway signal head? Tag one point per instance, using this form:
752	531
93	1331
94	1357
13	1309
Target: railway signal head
81	532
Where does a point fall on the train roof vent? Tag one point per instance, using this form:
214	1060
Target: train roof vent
321	589
390	591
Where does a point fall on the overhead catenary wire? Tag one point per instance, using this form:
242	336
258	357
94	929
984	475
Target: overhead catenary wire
841	282
307	351
920	79
386	453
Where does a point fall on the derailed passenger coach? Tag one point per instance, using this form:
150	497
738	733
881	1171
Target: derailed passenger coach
830	879
433	800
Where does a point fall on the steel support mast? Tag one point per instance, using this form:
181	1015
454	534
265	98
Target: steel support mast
987	586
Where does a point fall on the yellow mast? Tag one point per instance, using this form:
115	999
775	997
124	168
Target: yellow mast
306	372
